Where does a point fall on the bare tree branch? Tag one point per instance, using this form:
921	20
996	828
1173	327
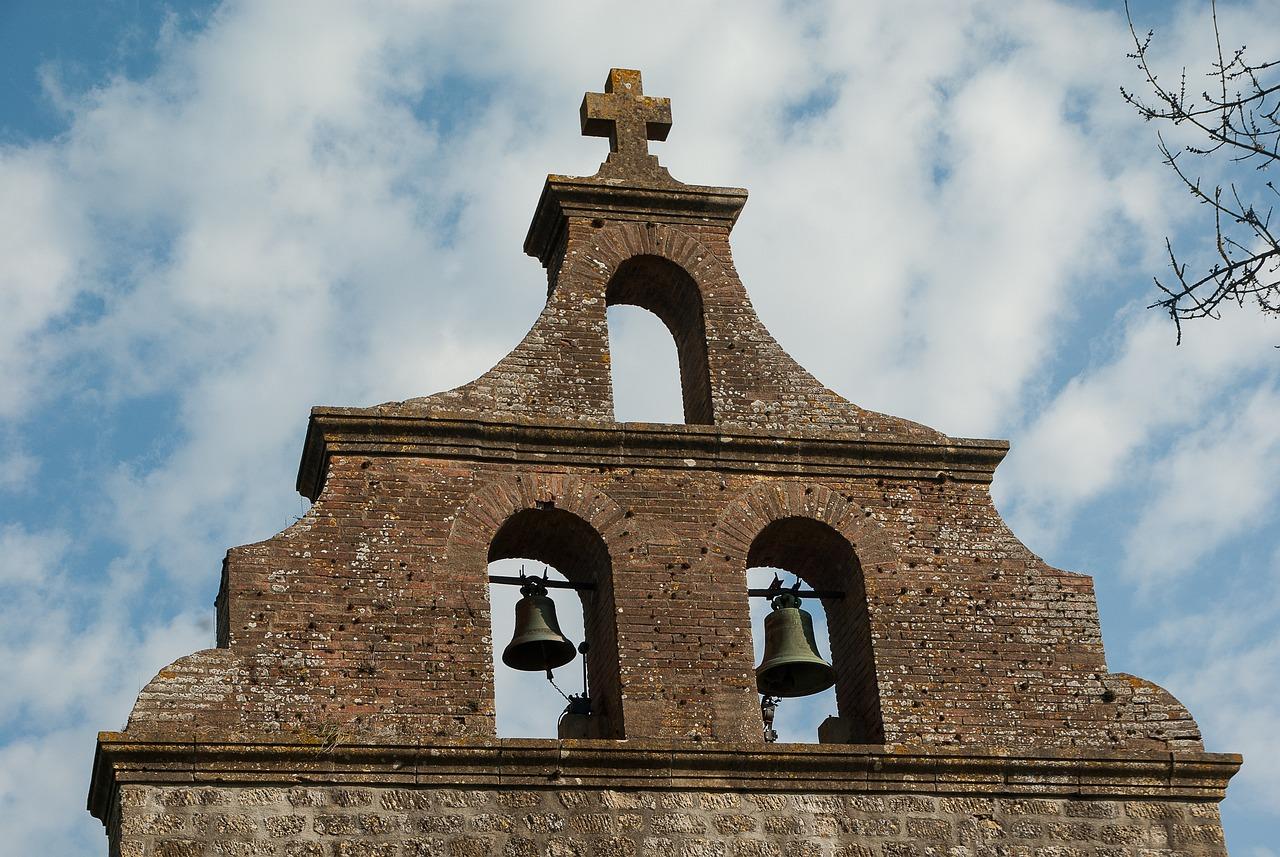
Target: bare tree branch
1239	124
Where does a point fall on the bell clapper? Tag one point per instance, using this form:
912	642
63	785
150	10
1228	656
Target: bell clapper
768	710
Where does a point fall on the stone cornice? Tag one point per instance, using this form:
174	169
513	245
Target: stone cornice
373	432
531	763
567	196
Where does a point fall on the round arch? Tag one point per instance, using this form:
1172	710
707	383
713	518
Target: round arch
668	273
668	291
567	524
820	536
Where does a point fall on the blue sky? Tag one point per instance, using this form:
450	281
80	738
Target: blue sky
214	216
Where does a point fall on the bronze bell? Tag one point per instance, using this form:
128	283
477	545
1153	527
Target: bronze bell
538	643
791	665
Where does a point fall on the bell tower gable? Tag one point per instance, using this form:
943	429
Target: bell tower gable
352	703
632	234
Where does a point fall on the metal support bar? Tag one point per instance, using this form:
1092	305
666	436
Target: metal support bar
590	587
812	593
549	584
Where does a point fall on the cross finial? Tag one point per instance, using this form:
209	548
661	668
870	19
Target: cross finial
630	119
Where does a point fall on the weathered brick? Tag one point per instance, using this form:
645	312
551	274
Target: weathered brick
195	797
929	830
440	823
365	849
218	825
152	824
260	797
336	825
1092	808
227	848
180	848
362	634
544	822
730	823
400	800
280	826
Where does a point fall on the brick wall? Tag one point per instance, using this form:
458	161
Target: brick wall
561	368
372	611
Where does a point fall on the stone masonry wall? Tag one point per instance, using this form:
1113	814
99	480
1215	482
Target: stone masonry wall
451	822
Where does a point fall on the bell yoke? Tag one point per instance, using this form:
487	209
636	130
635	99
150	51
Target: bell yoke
792	665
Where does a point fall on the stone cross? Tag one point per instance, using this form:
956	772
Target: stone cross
629	118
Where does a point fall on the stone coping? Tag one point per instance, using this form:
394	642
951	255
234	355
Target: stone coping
668	202
124	759
397	430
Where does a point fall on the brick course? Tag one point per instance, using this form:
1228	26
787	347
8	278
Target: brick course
399	822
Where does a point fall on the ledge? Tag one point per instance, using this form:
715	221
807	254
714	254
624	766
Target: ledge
374	432
531	763
567	196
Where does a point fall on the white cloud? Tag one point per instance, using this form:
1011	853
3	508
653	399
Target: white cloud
67	672
42	792
1099	431
69	647
968	189
1216	483
328	209
29	558
42	238
17	470
1229	650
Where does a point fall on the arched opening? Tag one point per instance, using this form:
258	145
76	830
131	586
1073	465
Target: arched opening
823	559
666	290
644	368
571	549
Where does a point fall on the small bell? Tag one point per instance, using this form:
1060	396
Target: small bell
791	665
538	643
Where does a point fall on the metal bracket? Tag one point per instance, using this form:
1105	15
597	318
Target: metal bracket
776	588
508	580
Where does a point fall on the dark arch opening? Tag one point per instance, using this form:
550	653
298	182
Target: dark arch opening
571	546
666	290
821	557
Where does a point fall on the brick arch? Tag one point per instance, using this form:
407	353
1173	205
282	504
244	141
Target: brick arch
599	260
489	507
668	273
575	511
830	534
662	287
767	502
